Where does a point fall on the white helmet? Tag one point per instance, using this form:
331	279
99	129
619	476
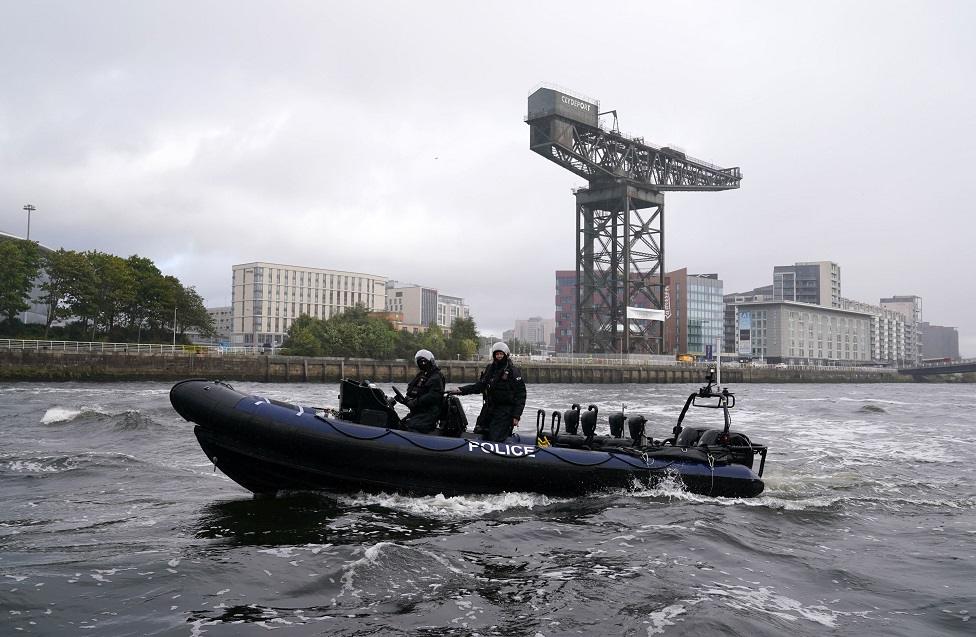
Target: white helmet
424	354
500	347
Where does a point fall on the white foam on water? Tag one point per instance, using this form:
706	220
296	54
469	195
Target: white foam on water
765	600
383	557
663	618
453	507
59	414
39	465
369	558
283	551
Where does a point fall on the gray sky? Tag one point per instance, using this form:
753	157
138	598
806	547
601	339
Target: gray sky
388	138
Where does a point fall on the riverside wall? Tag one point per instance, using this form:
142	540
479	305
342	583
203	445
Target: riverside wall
32	365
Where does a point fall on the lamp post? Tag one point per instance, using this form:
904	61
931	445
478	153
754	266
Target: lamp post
29	208
174	328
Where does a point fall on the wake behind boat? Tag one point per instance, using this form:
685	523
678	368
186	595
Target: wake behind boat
267	446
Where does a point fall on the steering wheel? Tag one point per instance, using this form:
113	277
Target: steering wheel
399	395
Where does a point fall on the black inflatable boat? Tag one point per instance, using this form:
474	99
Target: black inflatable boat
266	446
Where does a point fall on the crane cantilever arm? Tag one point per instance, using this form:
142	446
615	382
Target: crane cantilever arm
598	155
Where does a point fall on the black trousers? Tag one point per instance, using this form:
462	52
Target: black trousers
494	423
422	422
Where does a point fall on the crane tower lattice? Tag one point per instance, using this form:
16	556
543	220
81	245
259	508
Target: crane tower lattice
619	218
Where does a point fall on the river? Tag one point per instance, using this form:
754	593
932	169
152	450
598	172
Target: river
113	522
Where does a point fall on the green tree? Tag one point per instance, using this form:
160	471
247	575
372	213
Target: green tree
115	290
464	328
150	294
354	333
434	340
407	344
192	313
303	337
463	342
81	294
19	267
65	270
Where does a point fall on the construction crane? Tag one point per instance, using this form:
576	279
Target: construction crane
619	217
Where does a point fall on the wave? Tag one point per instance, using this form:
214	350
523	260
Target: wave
871	408
60	414
64	463
130	419
874	399
459	507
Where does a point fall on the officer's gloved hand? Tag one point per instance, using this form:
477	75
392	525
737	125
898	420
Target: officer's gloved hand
410	403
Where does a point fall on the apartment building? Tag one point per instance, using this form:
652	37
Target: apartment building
802	333
422	306
888	331
268	297
909	306
535	330
939	341
814	282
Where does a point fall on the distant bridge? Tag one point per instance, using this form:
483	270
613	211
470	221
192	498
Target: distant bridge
932	369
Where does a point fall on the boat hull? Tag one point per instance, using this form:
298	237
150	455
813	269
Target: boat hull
266	446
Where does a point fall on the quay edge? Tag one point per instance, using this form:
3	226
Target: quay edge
30	365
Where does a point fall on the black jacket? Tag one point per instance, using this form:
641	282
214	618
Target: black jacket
502	386
425	391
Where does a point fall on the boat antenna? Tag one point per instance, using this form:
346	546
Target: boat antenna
718	365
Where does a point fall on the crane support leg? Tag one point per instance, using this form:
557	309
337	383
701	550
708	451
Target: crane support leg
619	264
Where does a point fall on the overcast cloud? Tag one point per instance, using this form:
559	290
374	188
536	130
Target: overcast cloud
388	138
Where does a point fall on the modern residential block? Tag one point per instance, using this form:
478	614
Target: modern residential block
423	306
802	333
268	297
815	282
909	306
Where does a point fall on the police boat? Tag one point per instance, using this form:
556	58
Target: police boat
268	446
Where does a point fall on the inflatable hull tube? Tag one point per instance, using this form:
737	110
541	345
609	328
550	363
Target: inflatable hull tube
267	446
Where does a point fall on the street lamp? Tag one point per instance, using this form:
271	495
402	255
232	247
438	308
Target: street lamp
174	328
29	208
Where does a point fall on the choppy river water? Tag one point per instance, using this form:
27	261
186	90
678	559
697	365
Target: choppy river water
113	522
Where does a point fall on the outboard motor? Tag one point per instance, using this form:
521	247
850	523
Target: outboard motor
617	424
635	425
588	422
571	420
689	436
742	451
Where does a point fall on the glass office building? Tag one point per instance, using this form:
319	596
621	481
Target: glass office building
694	313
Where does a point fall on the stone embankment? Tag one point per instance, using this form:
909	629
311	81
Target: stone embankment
30	365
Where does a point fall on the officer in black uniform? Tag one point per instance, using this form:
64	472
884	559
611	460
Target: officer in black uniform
503	389
424	395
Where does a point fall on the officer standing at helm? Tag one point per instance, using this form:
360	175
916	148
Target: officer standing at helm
424	395
503	389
